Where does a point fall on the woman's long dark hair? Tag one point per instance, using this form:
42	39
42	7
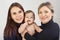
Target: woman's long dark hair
11	25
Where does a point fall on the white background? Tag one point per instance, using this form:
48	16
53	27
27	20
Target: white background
28	5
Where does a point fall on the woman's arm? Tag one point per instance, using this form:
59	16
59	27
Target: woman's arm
23	34
48	34
37	28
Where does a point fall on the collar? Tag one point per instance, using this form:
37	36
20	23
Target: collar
49	24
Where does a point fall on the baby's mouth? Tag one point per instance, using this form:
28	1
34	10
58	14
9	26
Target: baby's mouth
28	20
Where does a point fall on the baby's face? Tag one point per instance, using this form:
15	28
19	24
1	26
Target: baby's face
29	18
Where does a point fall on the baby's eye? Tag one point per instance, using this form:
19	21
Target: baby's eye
31	17
26	17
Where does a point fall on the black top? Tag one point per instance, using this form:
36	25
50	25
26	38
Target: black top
14	36
50	32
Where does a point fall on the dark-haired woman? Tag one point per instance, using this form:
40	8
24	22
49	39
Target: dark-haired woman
14	20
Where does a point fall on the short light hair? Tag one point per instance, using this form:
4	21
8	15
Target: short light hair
47	4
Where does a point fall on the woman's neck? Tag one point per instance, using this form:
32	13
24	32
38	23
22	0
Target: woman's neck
48	24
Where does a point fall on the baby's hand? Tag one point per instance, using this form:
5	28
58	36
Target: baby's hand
22	27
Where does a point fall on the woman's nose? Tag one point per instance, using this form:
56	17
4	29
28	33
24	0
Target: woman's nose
43	14
18	15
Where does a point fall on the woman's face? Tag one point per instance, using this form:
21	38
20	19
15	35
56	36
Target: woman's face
45	14
17	14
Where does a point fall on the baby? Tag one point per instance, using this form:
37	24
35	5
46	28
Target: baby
31	26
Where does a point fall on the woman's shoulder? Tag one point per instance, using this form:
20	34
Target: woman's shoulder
55	24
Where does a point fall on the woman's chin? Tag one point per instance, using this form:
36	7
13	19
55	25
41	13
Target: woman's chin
18	21
44	22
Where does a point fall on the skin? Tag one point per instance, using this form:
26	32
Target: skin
17	14
31	27
45	14
29	18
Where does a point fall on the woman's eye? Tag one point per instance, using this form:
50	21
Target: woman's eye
40	12
14	13
20	11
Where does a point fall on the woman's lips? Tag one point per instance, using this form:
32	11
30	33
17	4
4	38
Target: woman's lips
18	19
44	18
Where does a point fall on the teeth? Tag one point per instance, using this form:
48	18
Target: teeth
18	19
43	18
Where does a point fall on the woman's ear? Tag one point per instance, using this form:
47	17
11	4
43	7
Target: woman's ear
52	14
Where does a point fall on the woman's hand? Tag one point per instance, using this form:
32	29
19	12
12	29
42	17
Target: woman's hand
23	34
23	39
22	27
37	28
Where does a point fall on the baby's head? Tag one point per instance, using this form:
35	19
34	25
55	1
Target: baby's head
29	16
